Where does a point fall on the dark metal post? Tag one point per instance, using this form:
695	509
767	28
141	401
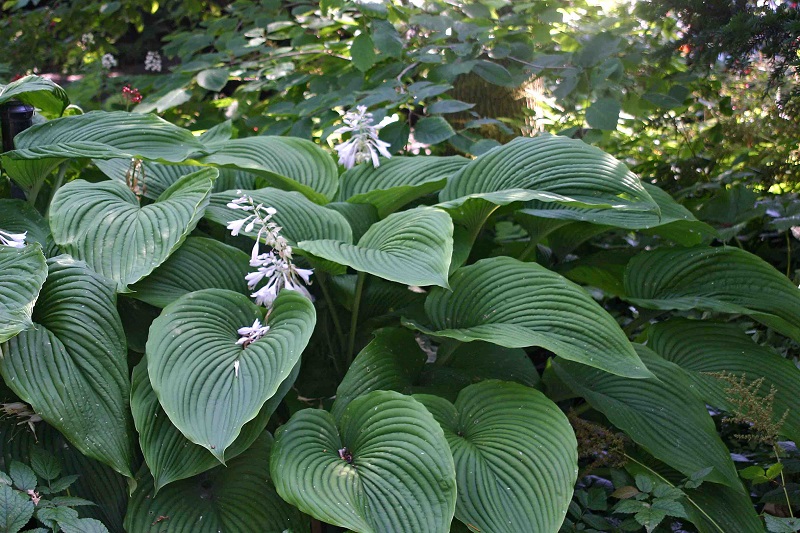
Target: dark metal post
14	118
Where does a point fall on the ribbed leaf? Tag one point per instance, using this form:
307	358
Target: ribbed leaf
18	216
397	181
24	271
168	454
191	353
104	225
702	347
72	366
37	92
515	304
392	361
158	177
236	498
360	216
412	247
285	162
300	218
15	509
655	414
515	453
725	280
400	478
198	264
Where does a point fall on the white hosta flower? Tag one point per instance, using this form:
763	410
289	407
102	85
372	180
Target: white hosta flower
108	61
364	144
14	240
250	334
152	61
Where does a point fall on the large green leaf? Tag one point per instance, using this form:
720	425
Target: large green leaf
198	264
702	347
236	498
411	247
191	356
299	218
397	181
515	304
384	467
656	413
285	162
15	509
72	366
104	225
24	271
38	92
18	216
168	454
515	453
725	280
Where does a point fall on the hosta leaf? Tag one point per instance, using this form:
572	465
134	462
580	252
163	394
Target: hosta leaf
37	92
198	264
397	181
158	177
104	225
15	509
300	218
285	162
411	247
191	353
515	304
724	280
17	216
239	497
655	414
400	478
168	454
24	271
515	453
72	366
702	347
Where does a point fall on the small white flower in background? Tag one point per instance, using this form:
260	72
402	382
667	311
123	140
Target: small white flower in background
364	144
15	240
152	61
275	266
87	38
108	61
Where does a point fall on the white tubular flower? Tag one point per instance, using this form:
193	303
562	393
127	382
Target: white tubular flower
364	144
152	61
14	240
108	61
250	334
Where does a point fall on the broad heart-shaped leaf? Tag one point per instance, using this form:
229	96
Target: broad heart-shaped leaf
516	305
168	454
15	509
545	168
655	414
198	264
300	218
702	347
413	247
515	453
191	353
38	92
24	271
236	498
397	181
400	476
18	216
72	365
724	280
104	225
285	162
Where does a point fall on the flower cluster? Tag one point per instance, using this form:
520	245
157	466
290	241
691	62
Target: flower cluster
87	39
14	240
364	144
108	61
152	61
275	266
132	95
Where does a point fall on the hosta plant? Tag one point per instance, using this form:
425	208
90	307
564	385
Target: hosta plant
236	334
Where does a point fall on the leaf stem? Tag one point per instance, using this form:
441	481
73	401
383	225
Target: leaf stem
788	256
62	170
445	352
530	248
351	342
322	279
783	483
